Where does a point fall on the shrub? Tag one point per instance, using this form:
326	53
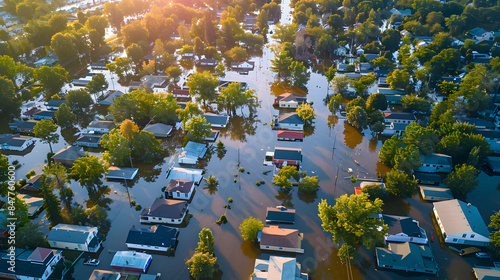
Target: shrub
230	200
221	220
138	207
30	174
353	180
241	169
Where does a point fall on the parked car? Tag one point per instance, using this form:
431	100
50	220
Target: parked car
91	262
483	255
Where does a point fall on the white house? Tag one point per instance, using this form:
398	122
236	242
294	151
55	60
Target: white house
461	223
101	126
73	237
192	152
404	229
394	128
38	264
480	34
156	238
436	163
165	211
278	267
340	51
289	100
290	121
179	189
243	66
187	174
15	142
396	117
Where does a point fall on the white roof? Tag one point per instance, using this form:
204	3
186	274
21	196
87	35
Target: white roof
458	217
186	174
131	259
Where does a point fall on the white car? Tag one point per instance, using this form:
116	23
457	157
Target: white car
483	255
91	262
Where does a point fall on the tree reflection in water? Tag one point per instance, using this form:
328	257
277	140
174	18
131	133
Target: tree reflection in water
240	127
352	137
250	249
68	134
97	196
286	198
307	197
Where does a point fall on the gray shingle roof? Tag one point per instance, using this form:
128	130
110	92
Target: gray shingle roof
70	233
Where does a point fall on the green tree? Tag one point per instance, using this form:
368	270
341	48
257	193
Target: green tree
306	112
415	103
198	128
351	223
398	79
30	235
120	67
250	228
96	215
334	104
289	172
45	130
285	33
165	110
376	101
64	46
64	116
299	74
281	64
407	159
202	266
383	63
448	88
357	117
9	102
220	70
88	171
79	100
135	54
391	39
51	203
202	85
262	20
309	184
361	84
97	23
98	84
377	127
456	24
388	150
424	138
211	182
206	244
400	184
51	78
462	180
282	182
174	72
134	33
142	147
137	104
188	112
374	191
340	84
494	244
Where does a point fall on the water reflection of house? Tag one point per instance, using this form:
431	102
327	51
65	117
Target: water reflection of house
38	264
274	238
165	211
461	223
278	267
404	229
155	238
73	237
408	257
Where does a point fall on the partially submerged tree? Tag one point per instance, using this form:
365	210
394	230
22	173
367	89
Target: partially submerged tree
250	228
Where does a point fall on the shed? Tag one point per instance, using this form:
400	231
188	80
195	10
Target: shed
280	214
121	173
216	120
435	193
160	130
68	155
131	261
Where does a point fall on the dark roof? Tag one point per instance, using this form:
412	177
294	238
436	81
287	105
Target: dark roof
489	133
102	124
109	99
477	122
158	235
399	116
55	102
166	208
291	117
400	224
281	214
24	266
427	177
182	186
45	113
370	56
69	153
18	141
34	182
481	60
121	173
216	119
94	139
4	138
478	31
287	154
23	125
179	91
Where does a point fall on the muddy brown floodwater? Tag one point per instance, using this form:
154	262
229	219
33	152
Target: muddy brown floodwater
329	149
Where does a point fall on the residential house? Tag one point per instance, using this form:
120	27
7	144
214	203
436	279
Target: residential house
179	189
274	238
160	130
370	56
382	82
492	137
280	214
427	178
396	117
99	274
109	100
287	156
54	104
408	257
482	60
15	142
340	51
73	237
242	66
187	55
155	238
216	121
44	115
342	67
493	165
121	173
403	13
80	82
435	193
436	163
290	135
486	273
207	63
404	229
461	223
68	155
23	126
364	67
165	211
30	112
187	174
33	184
388	91
88	140
101	127
479	33
224	84
290	121
34	204
50	60
149	83
98	66
479	123
276	268
192	152
182	96
289	100
394	128
131	261
38	264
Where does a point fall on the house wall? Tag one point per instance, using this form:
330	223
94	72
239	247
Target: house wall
147	247
407	269
281	249
426	167
291	126
162	220
289	104
70	246
182	196
477	240
398	121
405	238
99	130
87	144
289	162
38	117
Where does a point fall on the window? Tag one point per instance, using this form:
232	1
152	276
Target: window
464	235
455	239
172	220
472	235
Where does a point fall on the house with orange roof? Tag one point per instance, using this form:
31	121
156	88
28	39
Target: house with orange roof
274	238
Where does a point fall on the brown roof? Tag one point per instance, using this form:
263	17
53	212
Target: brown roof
181	92
299	135
290	96
39	254
166	208
280	237
182	186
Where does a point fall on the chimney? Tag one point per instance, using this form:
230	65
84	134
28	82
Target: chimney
468	204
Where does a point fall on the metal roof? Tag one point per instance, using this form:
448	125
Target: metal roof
458	217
